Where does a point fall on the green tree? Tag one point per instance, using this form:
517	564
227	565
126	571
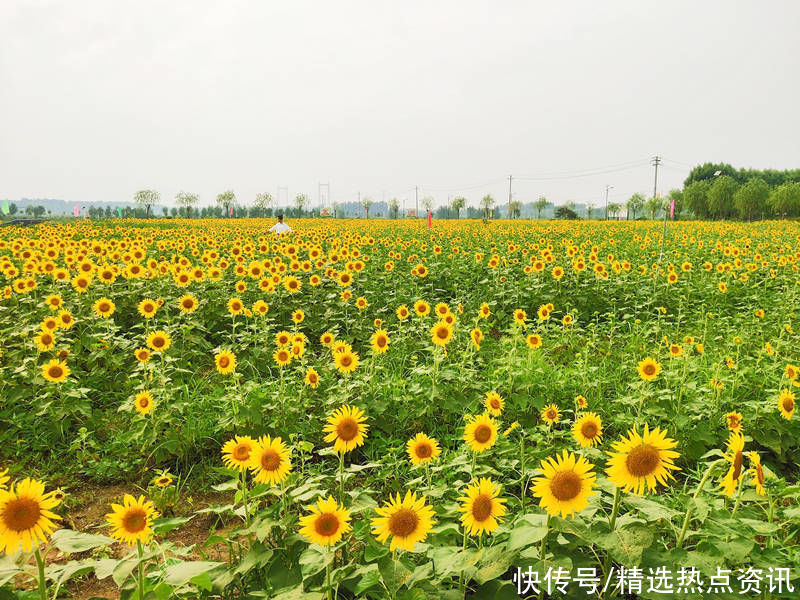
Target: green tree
720	197
262	203
785	200
366	202
226	200
458	204
186	200
300	202
614	209
394	207
147	198
540	205
486	203
695	196
676	196
635	204
653	206
565	212
515	209
12	209
751	198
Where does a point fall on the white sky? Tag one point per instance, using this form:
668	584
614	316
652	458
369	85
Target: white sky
99	99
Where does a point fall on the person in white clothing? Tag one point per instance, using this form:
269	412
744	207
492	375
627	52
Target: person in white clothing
280	226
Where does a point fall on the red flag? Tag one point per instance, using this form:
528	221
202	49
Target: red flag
76	211
672	209
429	219
230	214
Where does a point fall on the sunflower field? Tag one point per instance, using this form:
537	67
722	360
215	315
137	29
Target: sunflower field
378	409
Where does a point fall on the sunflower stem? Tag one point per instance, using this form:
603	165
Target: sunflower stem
140	582
612	521
543	549
522	468
40	570
688	516
341	477
328	575
244	498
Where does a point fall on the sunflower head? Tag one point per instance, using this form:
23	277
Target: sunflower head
269	460
346	428
565	484
346	361
648	369
480	433
422	449
481	507
55	371
641	462
588	430
494	403
551	414
236	452
786	404
132	521
326	524
225	361
26	517
407	521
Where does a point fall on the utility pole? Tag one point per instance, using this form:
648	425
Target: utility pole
655	162
509	198
416	201
608	187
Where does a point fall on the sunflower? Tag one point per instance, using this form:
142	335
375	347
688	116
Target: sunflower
481	507
494	403
312	378
675	350
565	485
588	430
476	335
236	452
132	521
225	361
422	449
786	404
159	341
648	369
480	433
520	316
408	521
298	316
422	308
282	357
260	307
55	371
327	522
735	456
188	303
756	471
346	361
292	284
550	414
484	311
45	341
791	372
142	354
361	303
346	428
380	341
65	319
269	460
534	341
283	339
235	306
163	480
402	312
147	308
103	307
50	324
441	334
26	517
641	462
581	402
327	339
144	403
734	421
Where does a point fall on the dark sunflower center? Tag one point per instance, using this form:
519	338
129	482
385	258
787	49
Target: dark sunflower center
737	465
270	460
441	333
381	341
788	404
642	460
21	514
481	507
649	369
551	414
760	475
149	308
47	338
188	303
55	371
346	360
158	341
482	433
589	429
404	522
495	403
423	450
134	520
326	524
224	361
241	452
565	485
347	429
144	402
104	307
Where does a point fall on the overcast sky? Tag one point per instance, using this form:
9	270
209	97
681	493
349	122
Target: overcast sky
99	99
